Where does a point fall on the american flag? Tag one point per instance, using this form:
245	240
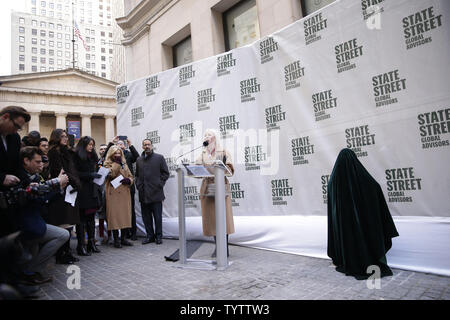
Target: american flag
78	34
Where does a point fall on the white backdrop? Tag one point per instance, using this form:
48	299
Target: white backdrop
291	101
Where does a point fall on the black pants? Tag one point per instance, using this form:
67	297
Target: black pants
133	228
152	211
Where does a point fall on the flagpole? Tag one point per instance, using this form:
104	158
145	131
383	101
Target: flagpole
73	39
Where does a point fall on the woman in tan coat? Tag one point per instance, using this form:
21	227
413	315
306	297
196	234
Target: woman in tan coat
118	201
212	152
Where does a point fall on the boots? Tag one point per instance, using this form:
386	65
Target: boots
81	247
90	227
215	249
124	241
64	254
116	239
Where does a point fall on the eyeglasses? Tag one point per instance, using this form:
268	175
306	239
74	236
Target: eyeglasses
16	125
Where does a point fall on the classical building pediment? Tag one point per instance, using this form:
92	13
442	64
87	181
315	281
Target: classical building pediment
70	82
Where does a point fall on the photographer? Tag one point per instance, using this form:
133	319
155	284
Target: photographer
12	119
40	239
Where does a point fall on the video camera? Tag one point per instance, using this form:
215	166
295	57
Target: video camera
18	196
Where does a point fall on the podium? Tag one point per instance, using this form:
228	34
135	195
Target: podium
218	170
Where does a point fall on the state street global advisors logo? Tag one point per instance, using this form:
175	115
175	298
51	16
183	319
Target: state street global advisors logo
224	63
168	106
386	84
371	7
228	124
171	165
191	197
346	53
185	74
419	24
237	194
281	190
151	84
187	132
323	101
248	87
122	94
292	74
434	128
204	98
312	26
266	48
154	137
136	114
324	179
253	156
301	147
399	181
358	137
274	116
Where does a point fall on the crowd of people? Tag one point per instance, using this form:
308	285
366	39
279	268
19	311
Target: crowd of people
37	219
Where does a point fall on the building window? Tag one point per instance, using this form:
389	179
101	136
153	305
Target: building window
34	50
103	50
34	23
51	43
88	65
59	62
103	66
43	24
33	40
34	68
110	34
182	52
42	42
43	69
93	65
21	57
67	45
42	59
103	58
21	30
33	10
51	34
43	12
310	6
21	39
59	35
59	44
102	33
22	20
43	33
67	36
51	52
42	51
34	59
110	51
93	56
103	74
241	25
51	14
51	61
34	32
51	5
59	26
21	67
51	25
67	54
43	4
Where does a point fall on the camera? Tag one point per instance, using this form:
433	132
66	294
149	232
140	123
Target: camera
18	196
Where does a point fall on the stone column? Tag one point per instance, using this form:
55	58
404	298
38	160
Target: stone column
86	124
34	121
109	128
61	120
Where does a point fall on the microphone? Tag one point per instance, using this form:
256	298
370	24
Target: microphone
205	144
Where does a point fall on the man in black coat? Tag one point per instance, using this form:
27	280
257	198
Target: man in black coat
151	176
12	119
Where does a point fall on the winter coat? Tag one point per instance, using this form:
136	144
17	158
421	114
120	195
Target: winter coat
151	176
59	211
208	203
90	196
118	201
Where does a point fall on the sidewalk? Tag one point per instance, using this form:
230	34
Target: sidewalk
141	272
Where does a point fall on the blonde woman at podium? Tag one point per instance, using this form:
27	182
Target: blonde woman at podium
214	151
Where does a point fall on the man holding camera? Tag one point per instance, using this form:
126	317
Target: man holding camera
40	239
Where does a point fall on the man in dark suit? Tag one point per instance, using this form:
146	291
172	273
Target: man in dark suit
12	120
151	176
